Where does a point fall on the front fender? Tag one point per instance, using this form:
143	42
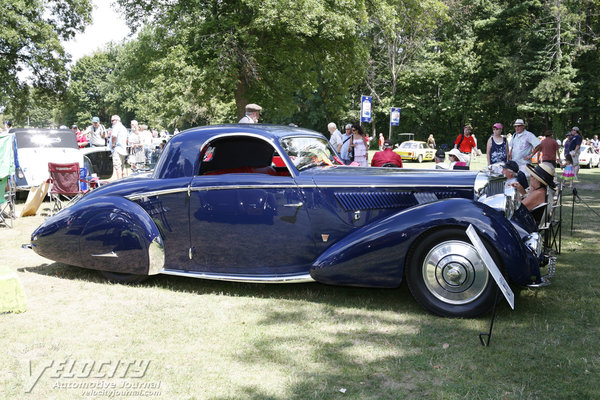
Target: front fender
376	254
109	233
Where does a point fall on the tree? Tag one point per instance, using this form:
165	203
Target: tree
279	53
30	43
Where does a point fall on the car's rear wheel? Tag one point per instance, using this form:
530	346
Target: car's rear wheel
118	277
420	158
446	275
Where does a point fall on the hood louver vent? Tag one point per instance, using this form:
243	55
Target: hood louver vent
380	200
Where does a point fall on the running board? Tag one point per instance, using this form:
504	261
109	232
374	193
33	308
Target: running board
303	278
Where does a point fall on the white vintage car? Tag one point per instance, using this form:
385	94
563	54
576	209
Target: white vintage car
588	157
37	147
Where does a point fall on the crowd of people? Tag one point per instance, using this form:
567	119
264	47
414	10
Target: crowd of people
137	146
511	153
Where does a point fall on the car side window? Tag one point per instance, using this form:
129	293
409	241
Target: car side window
240	154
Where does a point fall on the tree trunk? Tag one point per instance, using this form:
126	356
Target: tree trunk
240	97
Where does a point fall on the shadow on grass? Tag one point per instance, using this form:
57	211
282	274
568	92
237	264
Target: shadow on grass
398	299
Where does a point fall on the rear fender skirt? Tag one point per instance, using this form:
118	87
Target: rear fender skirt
375	255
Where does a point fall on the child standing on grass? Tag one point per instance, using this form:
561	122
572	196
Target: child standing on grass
568	172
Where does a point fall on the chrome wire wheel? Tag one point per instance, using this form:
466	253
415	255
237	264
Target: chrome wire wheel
454	273
446	275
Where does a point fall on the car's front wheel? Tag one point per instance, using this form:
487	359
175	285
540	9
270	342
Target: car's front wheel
420	158
446	275
118	277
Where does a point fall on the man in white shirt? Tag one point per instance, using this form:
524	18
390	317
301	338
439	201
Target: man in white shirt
146	138
336	136
119	146
523	146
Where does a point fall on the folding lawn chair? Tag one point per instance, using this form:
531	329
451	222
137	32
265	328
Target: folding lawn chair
65	185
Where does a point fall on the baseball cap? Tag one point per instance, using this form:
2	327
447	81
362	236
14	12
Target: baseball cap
512	165
497	125
95	119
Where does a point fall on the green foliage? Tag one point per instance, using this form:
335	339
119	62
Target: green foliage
30	44
445	63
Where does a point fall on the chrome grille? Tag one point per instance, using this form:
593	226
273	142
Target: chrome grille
494	187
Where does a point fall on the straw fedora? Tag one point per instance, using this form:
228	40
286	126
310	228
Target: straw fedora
543	173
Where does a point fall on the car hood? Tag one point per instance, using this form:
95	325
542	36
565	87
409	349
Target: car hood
386	177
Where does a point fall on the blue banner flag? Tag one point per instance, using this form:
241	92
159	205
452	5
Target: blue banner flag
365	108
395	116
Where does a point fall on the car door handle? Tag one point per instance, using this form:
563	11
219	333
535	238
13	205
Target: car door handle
294	205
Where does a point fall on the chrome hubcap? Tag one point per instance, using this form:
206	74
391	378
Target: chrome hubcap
454	273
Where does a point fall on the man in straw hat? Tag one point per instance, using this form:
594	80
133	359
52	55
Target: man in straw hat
523	146
252	114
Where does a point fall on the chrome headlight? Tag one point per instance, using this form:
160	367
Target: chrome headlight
513	197
501	203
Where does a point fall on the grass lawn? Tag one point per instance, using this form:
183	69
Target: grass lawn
193	339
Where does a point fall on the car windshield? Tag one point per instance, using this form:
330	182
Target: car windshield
307	152
408	145
46	138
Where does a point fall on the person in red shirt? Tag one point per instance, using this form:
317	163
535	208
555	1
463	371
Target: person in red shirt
550	149
80	136
465	144
387	155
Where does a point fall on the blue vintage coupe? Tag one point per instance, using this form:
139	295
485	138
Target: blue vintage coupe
263	203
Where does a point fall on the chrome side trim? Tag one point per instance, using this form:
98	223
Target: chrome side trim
112	254
385	186
294	205
156	256
137	196
303	278
225	187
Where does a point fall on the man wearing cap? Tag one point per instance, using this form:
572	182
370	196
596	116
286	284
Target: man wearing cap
574	146
96	133
550	150
252	114
465	144
440	158
514	176
523	146
387	155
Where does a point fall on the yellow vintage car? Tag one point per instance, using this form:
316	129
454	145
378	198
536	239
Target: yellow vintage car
415	150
